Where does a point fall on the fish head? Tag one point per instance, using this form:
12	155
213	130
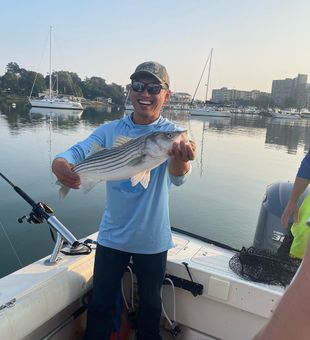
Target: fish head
160	142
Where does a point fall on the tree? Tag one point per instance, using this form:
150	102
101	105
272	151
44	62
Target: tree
116	92
95	87
10	81
23	82
12	68
68	83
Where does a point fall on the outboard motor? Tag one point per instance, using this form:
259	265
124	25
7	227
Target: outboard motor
269	231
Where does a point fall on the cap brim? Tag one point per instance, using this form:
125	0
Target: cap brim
145	73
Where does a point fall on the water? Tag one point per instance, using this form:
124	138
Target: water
236	159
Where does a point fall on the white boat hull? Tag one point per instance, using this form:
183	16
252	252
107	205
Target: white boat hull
229	307
56	103
285	114
210	112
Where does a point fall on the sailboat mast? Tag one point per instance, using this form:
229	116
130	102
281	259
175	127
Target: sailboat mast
50	80
208	80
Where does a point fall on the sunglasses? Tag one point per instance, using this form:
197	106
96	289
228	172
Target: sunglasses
152	88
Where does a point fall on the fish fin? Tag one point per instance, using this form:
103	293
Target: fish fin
88	185
142	177
121	140
146	179
95	148
63	191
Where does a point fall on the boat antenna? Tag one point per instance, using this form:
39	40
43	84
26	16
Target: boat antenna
208	80
36	75
203	71
50	78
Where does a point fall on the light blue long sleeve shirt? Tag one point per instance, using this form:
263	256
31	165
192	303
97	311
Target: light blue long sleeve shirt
135	219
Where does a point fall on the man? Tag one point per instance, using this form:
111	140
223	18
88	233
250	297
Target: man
300	185
297	237
135	222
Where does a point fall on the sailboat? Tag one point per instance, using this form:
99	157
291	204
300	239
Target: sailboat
51	100
212	111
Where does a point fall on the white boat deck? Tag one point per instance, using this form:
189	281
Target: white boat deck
229	308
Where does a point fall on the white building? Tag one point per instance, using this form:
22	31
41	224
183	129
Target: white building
179	100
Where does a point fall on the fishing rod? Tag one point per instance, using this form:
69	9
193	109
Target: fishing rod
42	212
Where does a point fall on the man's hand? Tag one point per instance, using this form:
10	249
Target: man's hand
62	169
181	153
290	210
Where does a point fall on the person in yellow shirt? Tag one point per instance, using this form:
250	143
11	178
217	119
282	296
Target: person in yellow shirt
300	230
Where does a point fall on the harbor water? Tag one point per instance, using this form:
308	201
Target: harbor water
237	158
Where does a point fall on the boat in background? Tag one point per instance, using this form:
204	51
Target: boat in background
52	100
285	114
128	105
305	113
210	111
129	108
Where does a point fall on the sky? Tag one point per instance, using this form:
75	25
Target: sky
253	41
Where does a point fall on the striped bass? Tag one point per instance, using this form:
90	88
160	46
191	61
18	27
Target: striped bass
128	159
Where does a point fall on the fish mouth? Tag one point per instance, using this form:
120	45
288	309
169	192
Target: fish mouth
183	136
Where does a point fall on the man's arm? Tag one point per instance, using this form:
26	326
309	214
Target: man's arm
301	182
292	208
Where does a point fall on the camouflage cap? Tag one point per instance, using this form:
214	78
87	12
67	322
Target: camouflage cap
153	68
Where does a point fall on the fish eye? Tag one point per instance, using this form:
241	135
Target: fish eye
169	135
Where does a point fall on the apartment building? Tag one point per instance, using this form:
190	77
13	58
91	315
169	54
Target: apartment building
225	95
290	92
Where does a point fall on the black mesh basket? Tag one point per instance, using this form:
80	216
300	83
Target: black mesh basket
260	265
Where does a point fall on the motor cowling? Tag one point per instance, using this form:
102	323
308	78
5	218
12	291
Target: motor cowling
269	230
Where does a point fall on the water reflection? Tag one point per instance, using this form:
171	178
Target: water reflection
288	134
285	134
237	158
95	116
54	113
24	117
218	124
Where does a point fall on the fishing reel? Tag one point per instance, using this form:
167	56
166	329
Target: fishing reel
38	214
42	212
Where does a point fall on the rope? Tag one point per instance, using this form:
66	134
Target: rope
162	304
203	71
35	78
132	290
12	246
